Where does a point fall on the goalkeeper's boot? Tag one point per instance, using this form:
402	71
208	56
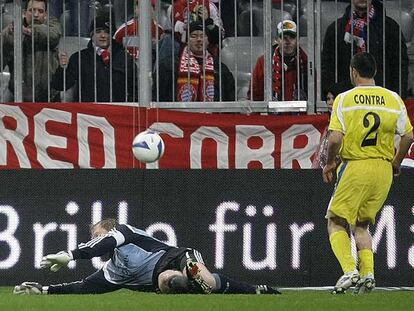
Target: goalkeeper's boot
28	288
196	279
346	281
365	285
266	290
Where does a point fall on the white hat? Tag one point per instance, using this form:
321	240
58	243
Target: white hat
287	26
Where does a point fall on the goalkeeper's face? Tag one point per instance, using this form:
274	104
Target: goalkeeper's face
98	231
361	4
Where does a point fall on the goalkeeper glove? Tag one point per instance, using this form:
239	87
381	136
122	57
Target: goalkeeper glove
56	261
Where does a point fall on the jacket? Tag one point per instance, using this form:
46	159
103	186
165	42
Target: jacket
120	70
45	59
290	80
392	54
167	84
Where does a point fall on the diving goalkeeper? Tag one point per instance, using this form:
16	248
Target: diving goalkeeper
138	262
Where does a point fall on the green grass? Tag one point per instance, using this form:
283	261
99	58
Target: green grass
290	300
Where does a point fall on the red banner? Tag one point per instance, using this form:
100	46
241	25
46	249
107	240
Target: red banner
100	136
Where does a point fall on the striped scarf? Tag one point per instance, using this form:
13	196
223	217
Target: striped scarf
290	76
191	78
359	25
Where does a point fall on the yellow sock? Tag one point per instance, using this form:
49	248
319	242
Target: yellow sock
366	262
341	246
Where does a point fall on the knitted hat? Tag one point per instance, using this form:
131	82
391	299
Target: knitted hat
101	22
197	25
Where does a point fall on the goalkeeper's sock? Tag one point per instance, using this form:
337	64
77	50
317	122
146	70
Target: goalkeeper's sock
366	262
341	246
225	285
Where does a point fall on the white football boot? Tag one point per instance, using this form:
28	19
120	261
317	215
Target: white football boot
346	281
365	285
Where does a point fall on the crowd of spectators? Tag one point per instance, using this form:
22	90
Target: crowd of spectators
187	45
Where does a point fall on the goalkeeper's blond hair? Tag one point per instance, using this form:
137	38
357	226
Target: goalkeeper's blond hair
105	224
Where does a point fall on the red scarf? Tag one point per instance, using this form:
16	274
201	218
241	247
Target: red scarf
105	54
190	86
290	76
359	25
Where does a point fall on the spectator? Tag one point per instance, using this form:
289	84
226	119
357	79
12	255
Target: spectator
79	13
367	20
40	60
294	64
180	19
196	72
109	56
198	11
138	262
129	31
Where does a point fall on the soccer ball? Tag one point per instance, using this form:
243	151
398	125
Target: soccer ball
148	146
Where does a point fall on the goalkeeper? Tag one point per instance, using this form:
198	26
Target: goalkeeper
138	262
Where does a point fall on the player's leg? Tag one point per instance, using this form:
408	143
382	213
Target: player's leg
197	273
363	241
341	243
379	181
225	285
217	283
342	212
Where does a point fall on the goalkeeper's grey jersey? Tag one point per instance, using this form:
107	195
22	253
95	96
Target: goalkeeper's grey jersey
135	254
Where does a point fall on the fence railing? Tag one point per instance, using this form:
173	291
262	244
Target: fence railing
146	63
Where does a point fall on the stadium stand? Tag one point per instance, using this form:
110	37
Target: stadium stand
71	45
243	58
258	21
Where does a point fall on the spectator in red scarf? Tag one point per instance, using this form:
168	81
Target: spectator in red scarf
91	70
128	33
194	75
293	63
351	34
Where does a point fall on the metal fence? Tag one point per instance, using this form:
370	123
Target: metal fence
239	32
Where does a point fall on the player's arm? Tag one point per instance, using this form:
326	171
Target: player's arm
334	145
402	149
405	130
94	248
337	128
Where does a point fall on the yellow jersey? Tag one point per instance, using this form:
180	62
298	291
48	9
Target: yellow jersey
369	117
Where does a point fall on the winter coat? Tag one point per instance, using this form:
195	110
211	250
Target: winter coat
376	48
120	70
44	59
167	85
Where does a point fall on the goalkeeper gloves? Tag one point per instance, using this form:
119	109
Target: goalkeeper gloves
56	261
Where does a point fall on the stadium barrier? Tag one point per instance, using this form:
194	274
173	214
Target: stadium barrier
101	135
258	226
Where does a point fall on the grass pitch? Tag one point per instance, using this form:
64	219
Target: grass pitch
289	300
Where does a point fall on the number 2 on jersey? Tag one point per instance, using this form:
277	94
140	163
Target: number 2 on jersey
373	127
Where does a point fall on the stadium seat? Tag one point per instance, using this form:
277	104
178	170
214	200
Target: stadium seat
328	14
4	82
7	14
243	21
72	44
244	50
404	18
162	17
